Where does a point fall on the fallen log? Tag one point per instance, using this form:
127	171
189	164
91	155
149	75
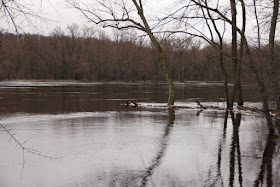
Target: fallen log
237	109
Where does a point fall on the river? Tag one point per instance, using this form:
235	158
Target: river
82	136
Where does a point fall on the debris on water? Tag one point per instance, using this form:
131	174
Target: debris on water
130	104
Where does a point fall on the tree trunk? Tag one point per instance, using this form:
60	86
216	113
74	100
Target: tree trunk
240	101
236	64
167	74
224	75
221	61
258	25
260	82
271	54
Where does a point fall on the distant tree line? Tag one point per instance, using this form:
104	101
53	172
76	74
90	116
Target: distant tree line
86	55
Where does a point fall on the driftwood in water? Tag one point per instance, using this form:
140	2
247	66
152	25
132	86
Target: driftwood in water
204	107
238	109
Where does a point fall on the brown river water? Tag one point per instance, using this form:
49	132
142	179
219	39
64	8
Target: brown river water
86	138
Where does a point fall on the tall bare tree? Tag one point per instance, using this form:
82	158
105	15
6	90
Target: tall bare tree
124	15
273	66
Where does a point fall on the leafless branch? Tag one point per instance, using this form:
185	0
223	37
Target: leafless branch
94	15
26	149
16	10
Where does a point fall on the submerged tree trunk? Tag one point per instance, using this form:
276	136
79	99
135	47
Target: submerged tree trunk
221	59
271	54
167	74
251	64
235	62
225	75
240	96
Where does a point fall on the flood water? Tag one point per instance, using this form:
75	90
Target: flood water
86	138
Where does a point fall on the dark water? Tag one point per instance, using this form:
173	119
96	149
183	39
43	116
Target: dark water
98	142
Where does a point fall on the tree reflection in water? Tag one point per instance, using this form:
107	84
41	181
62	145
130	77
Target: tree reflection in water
162	149
266	165
218	176
235	153
265	175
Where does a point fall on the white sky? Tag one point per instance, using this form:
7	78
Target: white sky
60	15
55	13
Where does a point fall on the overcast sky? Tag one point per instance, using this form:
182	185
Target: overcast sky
54	13
58	14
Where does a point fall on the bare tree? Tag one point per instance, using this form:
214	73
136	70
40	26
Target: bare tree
218	45
252	63
197	19
125	15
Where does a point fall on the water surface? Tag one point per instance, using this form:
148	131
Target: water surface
94	141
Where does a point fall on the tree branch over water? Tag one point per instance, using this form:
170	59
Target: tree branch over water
24	148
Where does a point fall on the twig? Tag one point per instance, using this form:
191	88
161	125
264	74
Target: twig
27	149
199	104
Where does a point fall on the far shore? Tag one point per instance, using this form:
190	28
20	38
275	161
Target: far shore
110	82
